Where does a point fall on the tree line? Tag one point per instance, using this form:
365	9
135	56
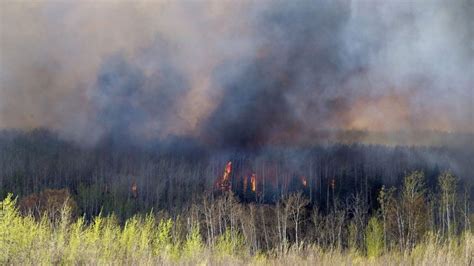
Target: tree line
126	179
403	219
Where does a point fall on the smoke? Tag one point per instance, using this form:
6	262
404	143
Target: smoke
236	73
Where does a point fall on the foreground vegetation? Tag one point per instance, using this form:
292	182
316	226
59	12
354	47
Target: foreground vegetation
143	240
411	226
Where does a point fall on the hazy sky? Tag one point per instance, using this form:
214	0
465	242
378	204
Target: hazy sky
235	70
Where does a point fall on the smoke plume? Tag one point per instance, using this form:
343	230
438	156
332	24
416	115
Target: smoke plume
240	73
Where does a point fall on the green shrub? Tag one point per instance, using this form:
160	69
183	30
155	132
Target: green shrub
25	240
374	238
163	243
193	245
229	244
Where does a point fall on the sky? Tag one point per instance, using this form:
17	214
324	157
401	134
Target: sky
238	72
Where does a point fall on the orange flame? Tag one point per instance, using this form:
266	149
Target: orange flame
223	183
253	182
304	181
227	171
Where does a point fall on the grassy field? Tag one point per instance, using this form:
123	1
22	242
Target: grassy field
144	241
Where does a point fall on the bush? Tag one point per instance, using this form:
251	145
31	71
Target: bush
142	241
374	238
193	245
229	244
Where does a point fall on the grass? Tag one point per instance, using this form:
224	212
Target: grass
144	241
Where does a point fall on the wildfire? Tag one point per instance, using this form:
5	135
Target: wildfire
223	183
253	182
304	181
134	190
227	171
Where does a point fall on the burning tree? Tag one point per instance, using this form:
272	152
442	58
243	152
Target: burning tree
224	183
253	183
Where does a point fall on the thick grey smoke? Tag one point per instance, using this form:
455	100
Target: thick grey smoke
236	73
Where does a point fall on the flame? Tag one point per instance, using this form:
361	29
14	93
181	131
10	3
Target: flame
253	182
304	181
223	183
333	183
134	190
227	171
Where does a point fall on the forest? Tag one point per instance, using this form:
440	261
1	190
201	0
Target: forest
178	202
210	132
